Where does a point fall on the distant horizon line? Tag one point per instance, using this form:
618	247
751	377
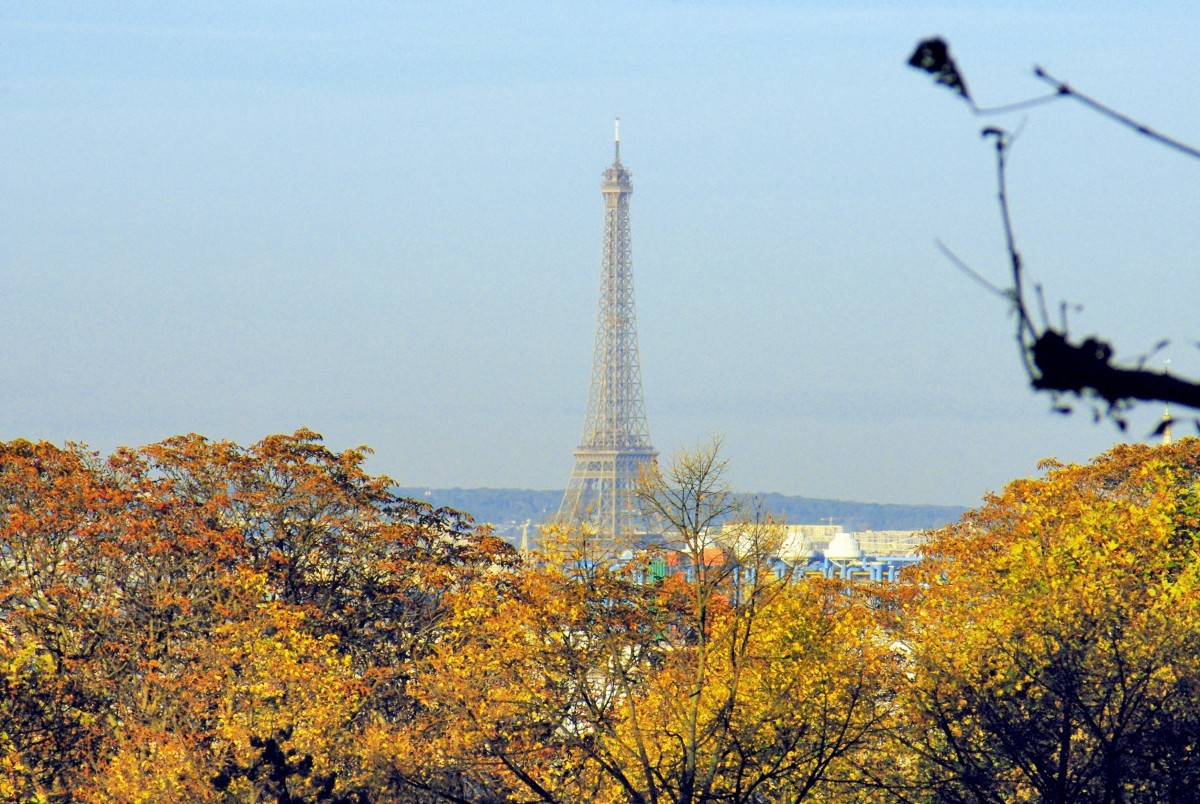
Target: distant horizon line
431	489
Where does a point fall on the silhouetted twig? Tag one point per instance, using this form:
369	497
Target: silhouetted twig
933	56
1063	89
1053	362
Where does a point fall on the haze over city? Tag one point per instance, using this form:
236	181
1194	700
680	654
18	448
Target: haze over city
381	221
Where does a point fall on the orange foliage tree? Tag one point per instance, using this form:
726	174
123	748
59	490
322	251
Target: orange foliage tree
196	620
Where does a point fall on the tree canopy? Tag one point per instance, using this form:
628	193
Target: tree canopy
1053	638
199	621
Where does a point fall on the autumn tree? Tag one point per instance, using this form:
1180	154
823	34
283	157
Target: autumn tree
367	566
195	619
705	686
771	683
104	582
1055	639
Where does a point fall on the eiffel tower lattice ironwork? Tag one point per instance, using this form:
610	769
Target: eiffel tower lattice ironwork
616	436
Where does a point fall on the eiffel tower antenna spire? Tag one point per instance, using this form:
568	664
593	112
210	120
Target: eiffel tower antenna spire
616	436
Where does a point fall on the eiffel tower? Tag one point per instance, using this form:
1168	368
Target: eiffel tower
616	436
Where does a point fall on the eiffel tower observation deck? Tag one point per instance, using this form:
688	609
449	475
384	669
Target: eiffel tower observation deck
616	435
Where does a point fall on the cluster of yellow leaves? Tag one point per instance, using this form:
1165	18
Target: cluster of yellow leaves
264	675
596	688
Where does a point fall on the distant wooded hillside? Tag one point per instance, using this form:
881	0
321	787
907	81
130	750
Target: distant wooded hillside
507	509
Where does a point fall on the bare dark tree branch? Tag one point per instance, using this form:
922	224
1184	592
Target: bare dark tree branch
1004	293
1063	89
1055	363
933	56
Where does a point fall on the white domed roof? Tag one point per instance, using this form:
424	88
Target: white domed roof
796	549
844	547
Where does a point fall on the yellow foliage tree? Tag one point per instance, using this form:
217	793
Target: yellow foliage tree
721	683
1055	639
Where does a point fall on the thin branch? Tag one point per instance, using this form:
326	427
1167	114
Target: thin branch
1004	293
1016	106
1002	143
933	56
1026	332
1065	90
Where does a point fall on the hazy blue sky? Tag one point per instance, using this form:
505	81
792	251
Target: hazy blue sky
381	220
